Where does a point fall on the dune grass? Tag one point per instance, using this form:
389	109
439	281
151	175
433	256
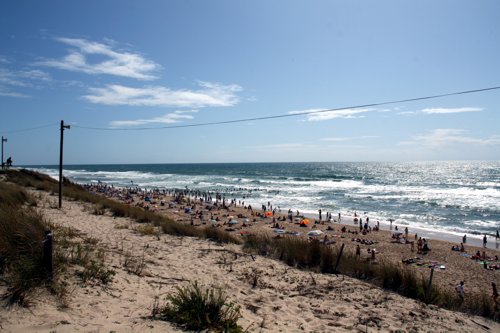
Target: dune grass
304	254
196	308
293	251
21	249
22	233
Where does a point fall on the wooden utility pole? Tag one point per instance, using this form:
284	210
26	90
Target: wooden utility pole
3	140
61	161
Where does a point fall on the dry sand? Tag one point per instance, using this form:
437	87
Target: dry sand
285	299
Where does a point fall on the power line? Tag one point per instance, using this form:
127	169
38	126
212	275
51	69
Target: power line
30	129
264	117
290	114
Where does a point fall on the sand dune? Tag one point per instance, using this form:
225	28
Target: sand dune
284	299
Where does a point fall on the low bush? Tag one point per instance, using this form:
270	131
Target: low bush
21	251
196	308
14	196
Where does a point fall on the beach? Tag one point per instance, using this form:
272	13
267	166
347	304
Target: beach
284	299
451	267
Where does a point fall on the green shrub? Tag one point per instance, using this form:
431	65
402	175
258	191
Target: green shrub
21	251
196	308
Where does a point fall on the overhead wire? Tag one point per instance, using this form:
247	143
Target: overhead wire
295	114
30	128
286	115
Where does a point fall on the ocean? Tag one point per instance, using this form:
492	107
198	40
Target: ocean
445	197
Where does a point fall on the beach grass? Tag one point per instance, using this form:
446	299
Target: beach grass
197	308
294	251
21	248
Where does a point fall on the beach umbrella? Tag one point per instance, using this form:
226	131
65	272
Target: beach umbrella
213	221
279	231
304	221
233	222
314	233
268	214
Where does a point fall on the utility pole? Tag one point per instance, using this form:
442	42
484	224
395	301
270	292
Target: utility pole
3	140
61	161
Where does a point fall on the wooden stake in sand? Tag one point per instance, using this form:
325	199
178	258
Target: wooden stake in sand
338	258
428	291
47	254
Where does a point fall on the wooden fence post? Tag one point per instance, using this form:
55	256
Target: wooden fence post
429	285
47	254
338	258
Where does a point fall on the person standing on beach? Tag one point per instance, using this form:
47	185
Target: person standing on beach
460	290
497	236
485	240
464	239
319	211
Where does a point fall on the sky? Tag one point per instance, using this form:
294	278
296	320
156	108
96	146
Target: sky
131	78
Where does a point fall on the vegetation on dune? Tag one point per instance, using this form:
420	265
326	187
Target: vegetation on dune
293	251
21	249
23	265
196	308
315	256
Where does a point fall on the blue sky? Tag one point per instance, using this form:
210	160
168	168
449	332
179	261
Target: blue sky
132	67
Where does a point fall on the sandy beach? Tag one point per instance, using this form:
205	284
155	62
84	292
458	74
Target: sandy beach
285	299
450	267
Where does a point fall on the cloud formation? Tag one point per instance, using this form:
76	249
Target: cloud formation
427	111
124	64
448	136
169	118
10	80
209	94
450	110
324	114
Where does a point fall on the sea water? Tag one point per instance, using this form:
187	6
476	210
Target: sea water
451	197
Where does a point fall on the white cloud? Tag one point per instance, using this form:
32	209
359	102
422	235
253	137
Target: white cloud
117	63
169	118
450	110
447	136
324	114
20	79
12	94
349	138
209	94
407	113
10	78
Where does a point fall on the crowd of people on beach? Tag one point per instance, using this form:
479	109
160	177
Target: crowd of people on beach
204	206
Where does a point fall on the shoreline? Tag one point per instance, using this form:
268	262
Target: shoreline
435	224
428	233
